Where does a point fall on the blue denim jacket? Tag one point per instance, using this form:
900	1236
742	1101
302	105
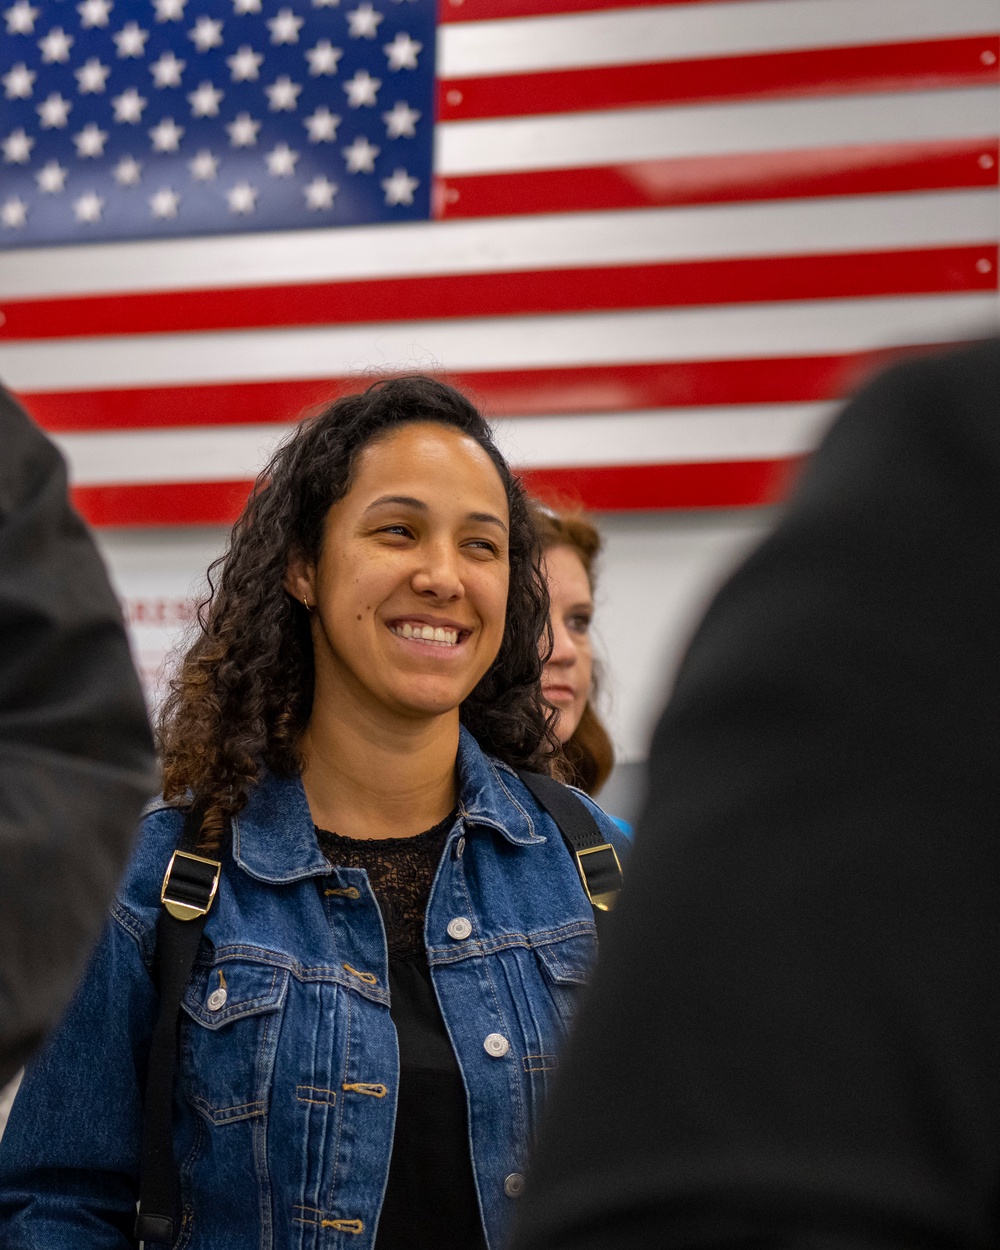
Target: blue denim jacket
286	1097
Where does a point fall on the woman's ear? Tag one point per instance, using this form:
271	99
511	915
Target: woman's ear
299	580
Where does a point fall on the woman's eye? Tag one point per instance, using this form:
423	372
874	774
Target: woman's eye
482	544
403	530
579	623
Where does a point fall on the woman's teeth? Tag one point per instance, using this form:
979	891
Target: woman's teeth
426	633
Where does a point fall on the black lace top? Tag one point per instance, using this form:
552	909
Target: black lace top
430	1200
400	872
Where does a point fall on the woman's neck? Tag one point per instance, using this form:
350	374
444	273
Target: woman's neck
378	780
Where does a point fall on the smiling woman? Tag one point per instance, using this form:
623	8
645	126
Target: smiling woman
392	958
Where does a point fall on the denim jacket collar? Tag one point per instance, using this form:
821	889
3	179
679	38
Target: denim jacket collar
274	841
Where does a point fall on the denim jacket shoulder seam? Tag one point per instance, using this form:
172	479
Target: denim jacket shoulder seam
135	929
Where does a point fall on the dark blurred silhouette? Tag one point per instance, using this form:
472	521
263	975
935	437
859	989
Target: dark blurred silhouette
793	1035
76	754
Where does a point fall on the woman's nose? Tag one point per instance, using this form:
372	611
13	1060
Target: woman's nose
438	573
563	650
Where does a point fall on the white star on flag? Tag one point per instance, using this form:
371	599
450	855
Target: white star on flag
319	193
401	121
88	207
283	94
402	52
281	161
285	27
399	188
51	177
166	135
204	166
362	89
244	64
360	156
54	111
242	198
56	45
129	105
17	147
92	76
131	40
363	22
14	212
205	101
128	172
94	12
169	10
90	141
18	82
164	202
241	7
206	34
322	125
243	131
167	70
323	58
21	18
325	4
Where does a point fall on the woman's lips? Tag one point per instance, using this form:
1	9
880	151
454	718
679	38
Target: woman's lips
559	694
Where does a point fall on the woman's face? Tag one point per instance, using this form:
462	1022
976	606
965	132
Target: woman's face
569	672
410	589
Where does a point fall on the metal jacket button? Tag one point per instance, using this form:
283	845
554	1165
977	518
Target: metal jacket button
217	1000
459	928
496	1045
513	1186
460	847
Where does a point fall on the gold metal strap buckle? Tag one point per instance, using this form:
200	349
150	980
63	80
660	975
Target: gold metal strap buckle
603	900
186	907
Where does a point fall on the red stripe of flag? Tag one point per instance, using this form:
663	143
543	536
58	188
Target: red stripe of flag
603	489
491	10
912	66
655	487
509	393
600	289
862	169
172	503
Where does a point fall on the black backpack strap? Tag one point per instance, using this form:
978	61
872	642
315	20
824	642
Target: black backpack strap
189	887
596	859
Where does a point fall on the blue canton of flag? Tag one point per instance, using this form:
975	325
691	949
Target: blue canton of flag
127	119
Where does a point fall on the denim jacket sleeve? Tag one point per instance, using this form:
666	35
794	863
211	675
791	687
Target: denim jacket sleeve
69	1155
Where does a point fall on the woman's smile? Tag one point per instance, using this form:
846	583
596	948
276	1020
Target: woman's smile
439	634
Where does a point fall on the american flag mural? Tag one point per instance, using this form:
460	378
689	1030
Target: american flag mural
657	240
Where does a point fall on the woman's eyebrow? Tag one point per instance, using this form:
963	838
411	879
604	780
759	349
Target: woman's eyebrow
487	518
408	501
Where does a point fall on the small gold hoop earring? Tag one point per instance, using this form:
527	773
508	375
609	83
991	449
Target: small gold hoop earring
306	604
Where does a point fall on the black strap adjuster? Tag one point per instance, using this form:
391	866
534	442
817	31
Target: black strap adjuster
601	874
595	858
189	885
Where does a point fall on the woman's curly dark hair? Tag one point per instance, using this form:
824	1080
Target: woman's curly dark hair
244	690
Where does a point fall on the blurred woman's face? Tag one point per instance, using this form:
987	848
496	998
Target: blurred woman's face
410	589
569	672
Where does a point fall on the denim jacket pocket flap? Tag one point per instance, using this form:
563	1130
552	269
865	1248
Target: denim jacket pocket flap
233	990
570	961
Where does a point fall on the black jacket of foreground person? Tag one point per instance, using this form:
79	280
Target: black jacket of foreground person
793	1038
76	755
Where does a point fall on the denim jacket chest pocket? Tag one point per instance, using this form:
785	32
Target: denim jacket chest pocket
567	967
229	1040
